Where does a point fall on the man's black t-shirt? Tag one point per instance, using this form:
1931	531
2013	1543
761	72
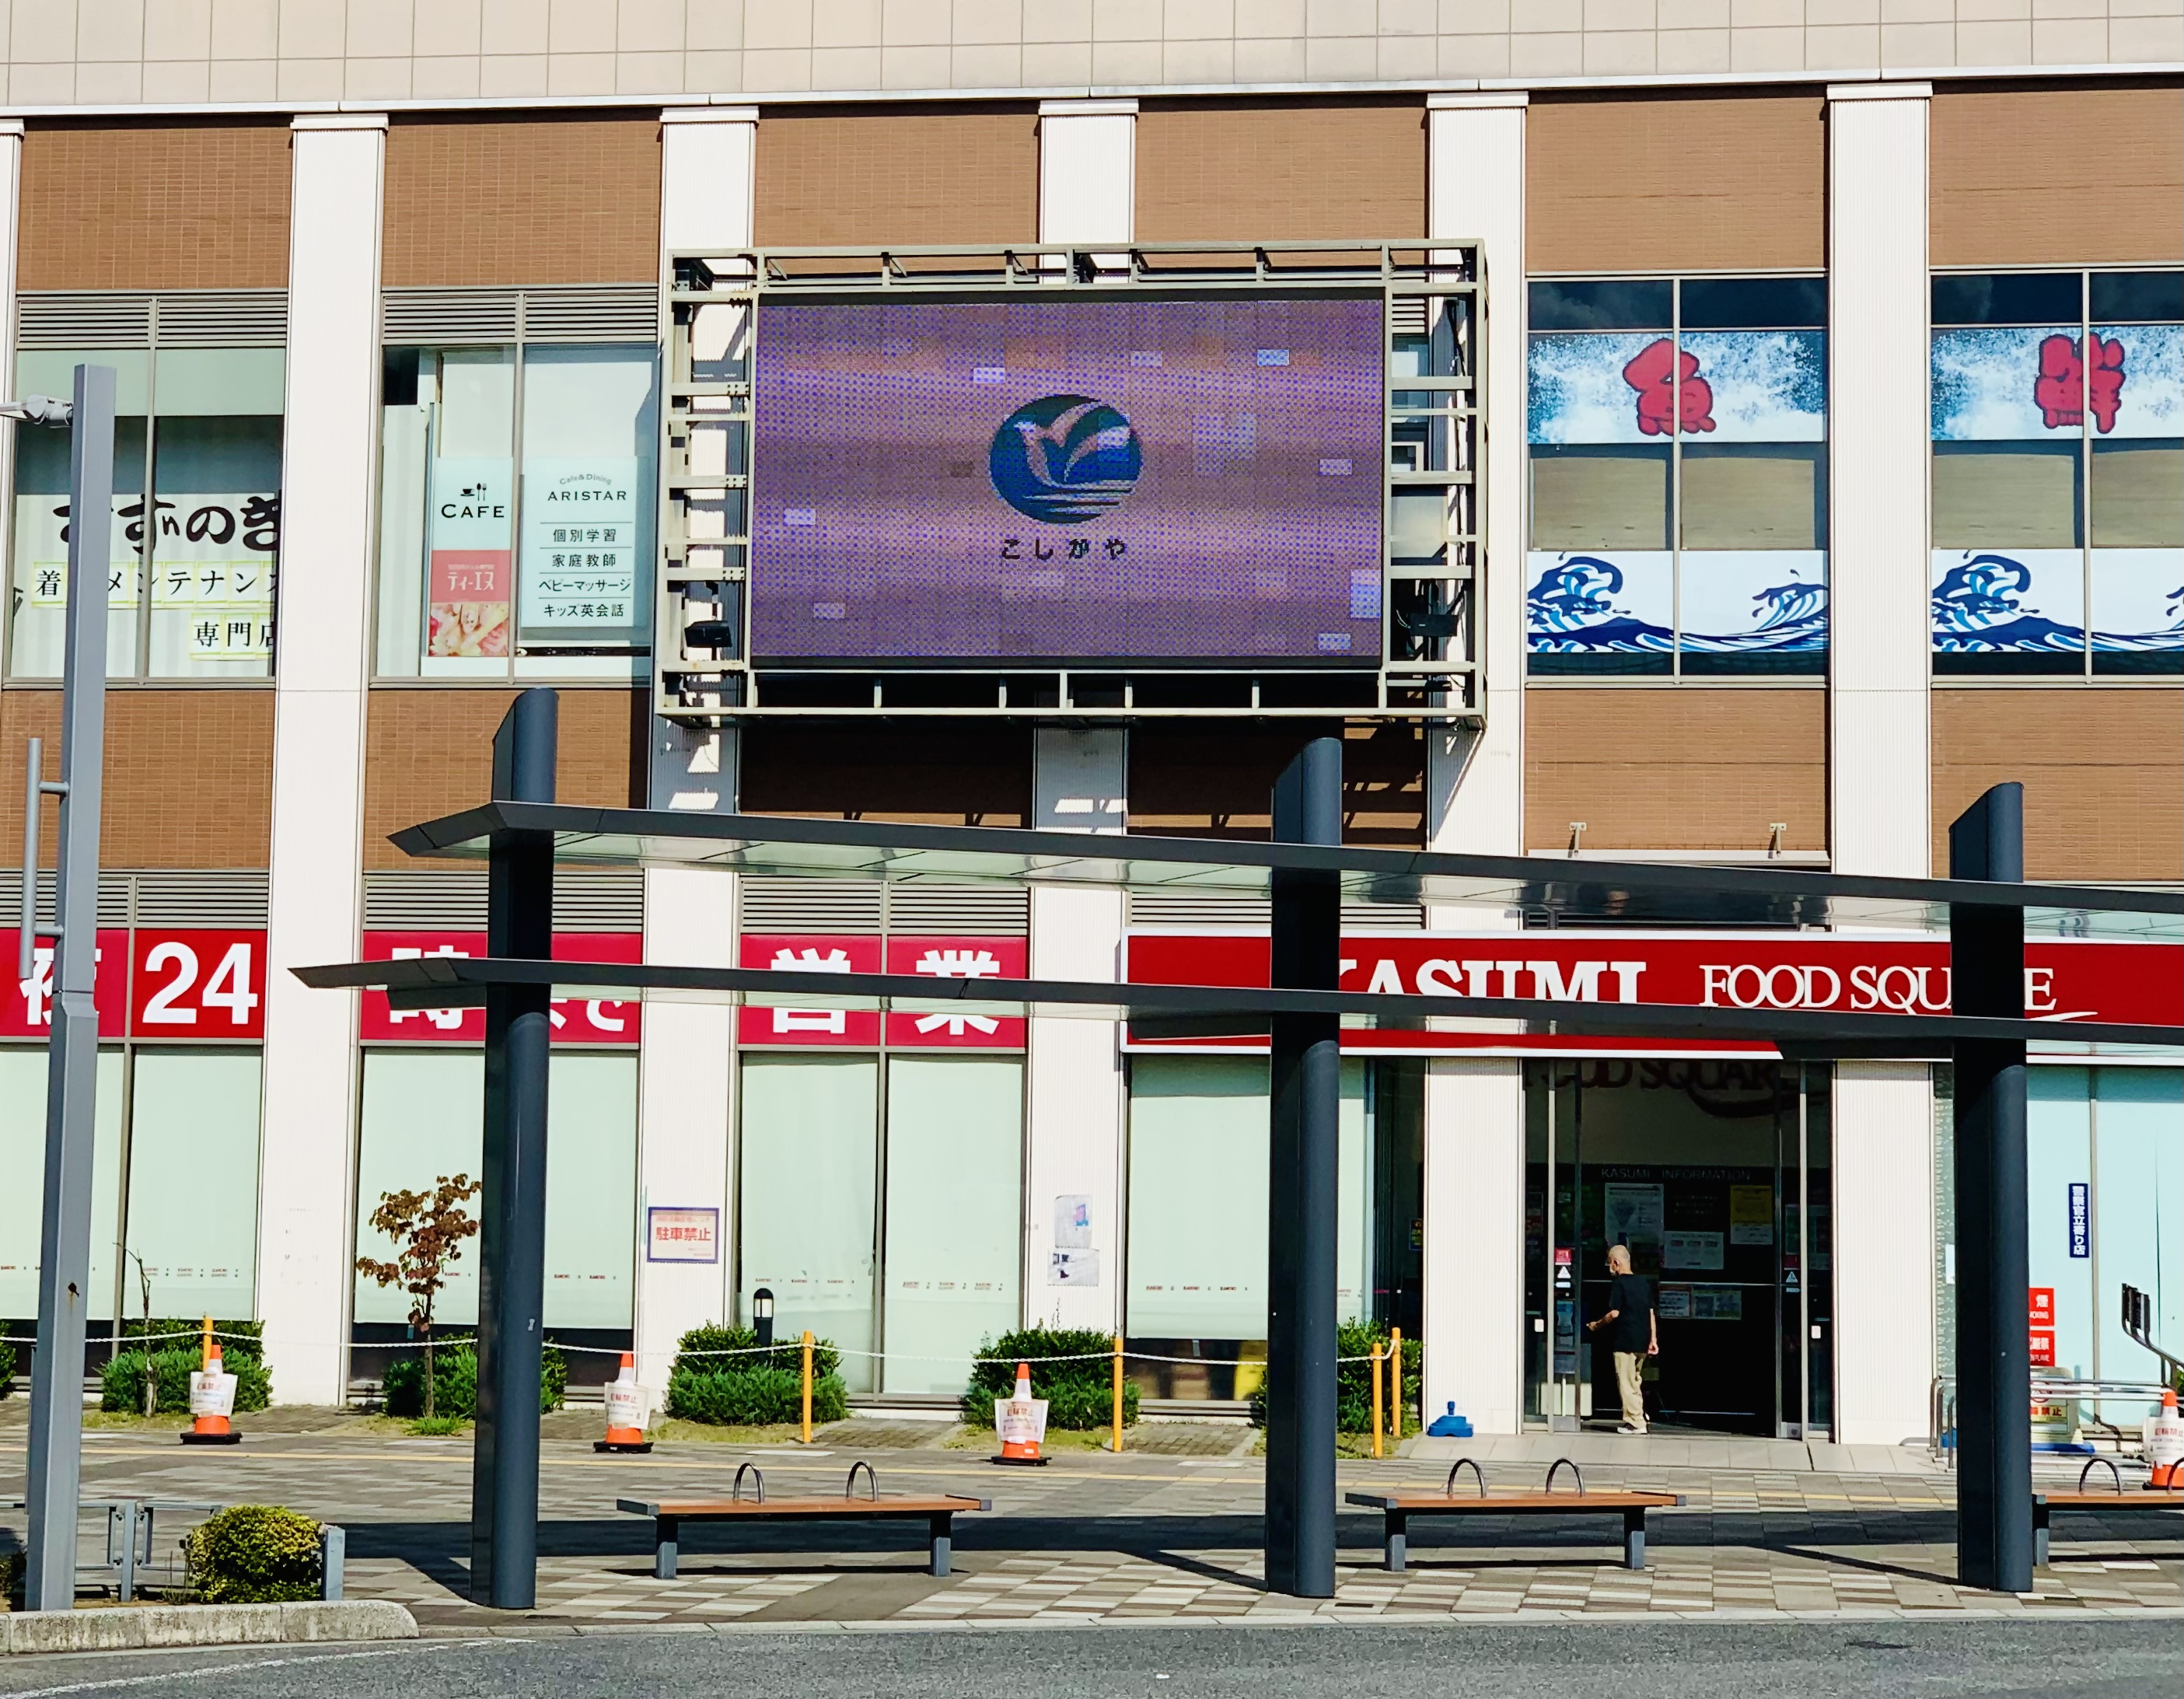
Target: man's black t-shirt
1632	1329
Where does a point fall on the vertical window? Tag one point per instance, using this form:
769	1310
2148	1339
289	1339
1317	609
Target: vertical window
1678	476
811	1150
2059	473
517	510
22	1197
2138	1212
424	1116
954	1205
191	576
193	1182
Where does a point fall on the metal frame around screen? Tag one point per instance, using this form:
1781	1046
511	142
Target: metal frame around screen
1431	665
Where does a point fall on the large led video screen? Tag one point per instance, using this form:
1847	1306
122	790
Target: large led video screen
1068	479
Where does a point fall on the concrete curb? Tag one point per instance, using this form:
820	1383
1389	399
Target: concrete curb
131	1628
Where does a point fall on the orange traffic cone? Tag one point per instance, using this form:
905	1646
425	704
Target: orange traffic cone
624	1411
212	1397
2166	1452
1020	1420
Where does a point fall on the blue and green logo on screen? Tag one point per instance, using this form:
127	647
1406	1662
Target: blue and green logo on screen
1064	459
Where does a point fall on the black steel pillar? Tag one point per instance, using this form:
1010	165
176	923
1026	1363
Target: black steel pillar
1306	1105
1994	1363
512	1228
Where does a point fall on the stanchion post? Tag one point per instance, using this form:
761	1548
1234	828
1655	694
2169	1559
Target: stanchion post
1376	1398
1118	1393
1395	1383
1303	1176
807	1386
1994	1355
512	1224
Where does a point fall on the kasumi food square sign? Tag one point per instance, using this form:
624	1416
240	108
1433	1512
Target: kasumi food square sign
2065	980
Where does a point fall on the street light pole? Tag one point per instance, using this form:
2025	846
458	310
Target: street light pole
56	1450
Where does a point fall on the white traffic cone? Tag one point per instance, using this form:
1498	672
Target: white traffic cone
624	1411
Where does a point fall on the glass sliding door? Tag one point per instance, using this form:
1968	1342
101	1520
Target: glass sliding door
808	1201
955	1178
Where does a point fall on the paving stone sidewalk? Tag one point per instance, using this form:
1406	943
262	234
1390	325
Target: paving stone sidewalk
1145	1535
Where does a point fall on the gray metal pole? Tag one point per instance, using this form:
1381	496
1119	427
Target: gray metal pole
56	1451
512	1228
1994	1354
1305	1110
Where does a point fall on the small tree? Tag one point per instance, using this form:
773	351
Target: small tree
428	1229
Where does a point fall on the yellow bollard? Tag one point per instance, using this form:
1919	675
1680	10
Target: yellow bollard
807	1386
1395	1385
1118	1392
1376	1398
204	1356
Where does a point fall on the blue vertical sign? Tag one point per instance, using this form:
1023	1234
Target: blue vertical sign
2081	1219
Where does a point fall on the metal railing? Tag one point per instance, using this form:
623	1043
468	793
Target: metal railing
1941	1405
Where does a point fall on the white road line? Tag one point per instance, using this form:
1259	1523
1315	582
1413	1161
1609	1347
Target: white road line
237	1669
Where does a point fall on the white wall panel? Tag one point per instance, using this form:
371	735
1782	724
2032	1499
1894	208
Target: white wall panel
1087	170
1883	1219
1877	366
1474	1248
328	463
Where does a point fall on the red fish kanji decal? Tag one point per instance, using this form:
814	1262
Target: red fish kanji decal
2071	383
1671	394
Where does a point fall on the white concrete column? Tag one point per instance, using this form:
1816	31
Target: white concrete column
1883	1250
329	460
11	203
686	1057
1475	1109
1077	1106
1878	558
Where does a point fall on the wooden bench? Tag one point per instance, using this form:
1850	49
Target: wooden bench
2115	1498
937	1513
1398	1507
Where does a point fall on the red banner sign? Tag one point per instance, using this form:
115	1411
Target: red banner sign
157	983
577	1020
2065	980
943	958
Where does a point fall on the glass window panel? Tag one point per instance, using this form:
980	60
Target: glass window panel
2014	611
52	371
1752	611
1754	386
1599	388
193	1181
2138	1212
1736	304
2013	495
590	441
1617	304
1600	498
2008	385
2138	494
22	1198
38	602
2059	1154
1197	1259
1605	611
1753	495
2007	297
591	1190
811	1148
954	1204
2135	388
214	555
217	383
2138	620
449	458
2138	296
406	446
424	1116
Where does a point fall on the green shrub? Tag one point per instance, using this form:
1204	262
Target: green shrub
14	1576
1353	1382
455	1380
753	1388
122	1382
6	1368
1080	1396
254	1554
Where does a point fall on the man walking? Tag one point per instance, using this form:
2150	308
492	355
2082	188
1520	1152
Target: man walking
1633	1333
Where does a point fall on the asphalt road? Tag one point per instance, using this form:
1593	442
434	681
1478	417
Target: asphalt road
2112	1659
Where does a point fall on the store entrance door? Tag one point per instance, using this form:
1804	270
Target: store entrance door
1715	1174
